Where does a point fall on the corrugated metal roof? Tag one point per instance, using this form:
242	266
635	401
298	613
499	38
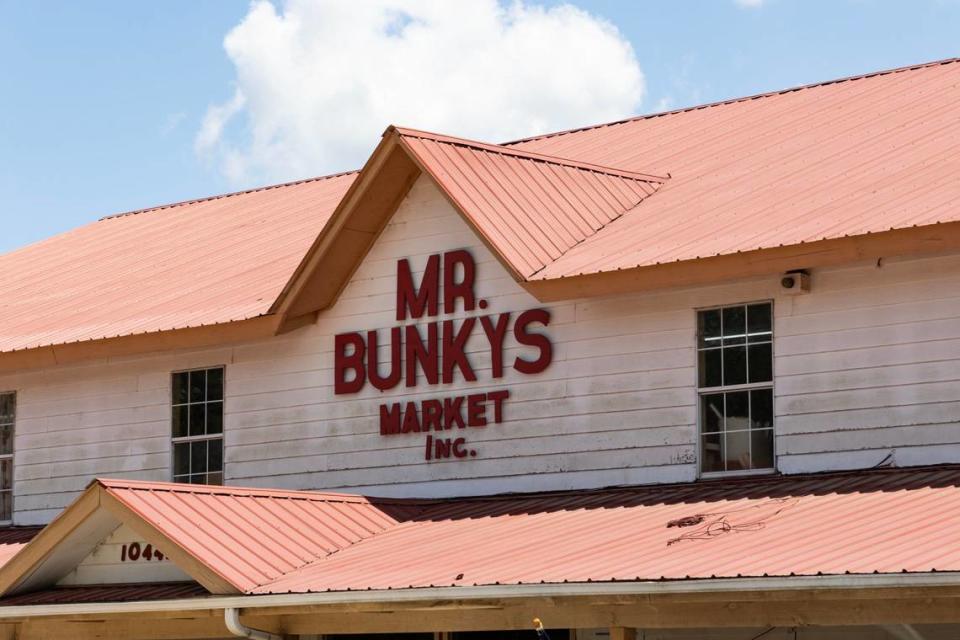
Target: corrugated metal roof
263	541
202	262
108	593
844	158
848	157
249	536
12	539
886	521
533	208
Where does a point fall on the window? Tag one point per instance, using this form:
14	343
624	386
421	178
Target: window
735	368
198	426
8	411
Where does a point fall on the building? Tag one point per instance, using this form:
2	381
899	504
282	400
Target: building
689	375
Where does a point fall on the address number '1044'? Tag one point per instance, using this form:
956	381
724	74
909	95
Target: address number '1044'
135	552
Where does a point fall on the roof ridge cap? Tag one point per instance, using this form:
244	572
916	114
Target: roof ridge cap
728	101
230	194
528	155
293	494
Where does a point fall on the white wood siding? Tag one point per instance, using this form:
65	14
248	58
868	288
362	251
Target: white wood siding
866	365
106	565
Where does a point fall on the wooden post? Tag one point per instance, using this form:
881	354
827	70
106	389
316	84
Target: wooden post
623	633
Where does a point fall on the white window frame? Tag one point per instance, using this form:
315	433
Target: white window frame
10	456
198	438
749	386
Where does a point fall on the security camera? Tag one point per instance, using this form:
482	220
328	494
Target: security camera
795	282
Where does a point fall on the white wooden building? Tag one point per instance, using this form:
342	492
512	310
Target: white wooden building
741	303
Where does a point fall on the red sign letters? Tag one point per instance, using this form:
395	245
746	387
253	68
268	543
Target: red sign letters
435	352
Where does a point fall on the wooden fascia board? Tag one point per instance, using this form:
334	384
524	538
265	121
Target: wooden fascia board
927	240
290	303
159	341
183	559
31	556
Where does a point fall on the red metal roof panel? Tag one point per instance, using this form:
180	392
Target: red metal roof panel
867	522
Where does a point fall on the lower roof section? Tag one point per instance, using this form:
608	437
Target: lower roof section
878	522
109	593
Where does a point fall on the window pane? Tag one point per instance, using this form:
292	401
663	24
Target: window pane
761	409
761	362
215	417
6	505
180	388
712	413
762	449
708	328
198	421
738	416
759	322
200	478
734	365
215	453
710	368
738	450
712	452
198	457
198	386
6	474
734	325
215	384
7	407
180	421
215	478
181	459
6	439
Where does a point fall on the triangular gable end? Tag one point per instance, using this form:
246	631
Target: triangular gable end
74	549
527	208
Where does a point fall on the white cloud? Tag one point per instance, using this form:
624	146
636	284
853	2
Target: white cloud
319	80
749	4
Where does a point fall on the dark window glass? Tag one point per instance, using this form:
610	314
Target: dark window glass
761	409
712	419
761	362
734	366
734	325
711	368
197	426
8	410
709	328
181	388
735	346
759	322
214	417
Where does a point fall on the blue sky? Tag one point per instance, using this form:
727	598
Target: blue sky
102	102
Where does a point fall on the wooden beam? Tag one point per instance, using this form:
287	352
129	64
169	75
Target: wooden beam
158	341
623	633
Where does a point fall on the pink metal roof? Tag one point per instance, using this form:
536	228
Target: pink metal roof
867	522
12	539
265	541
202	262
250	536
533	208
843	158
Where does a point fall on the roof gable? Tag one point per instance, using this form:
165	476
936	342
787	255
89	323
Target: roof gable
230	540
529	208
